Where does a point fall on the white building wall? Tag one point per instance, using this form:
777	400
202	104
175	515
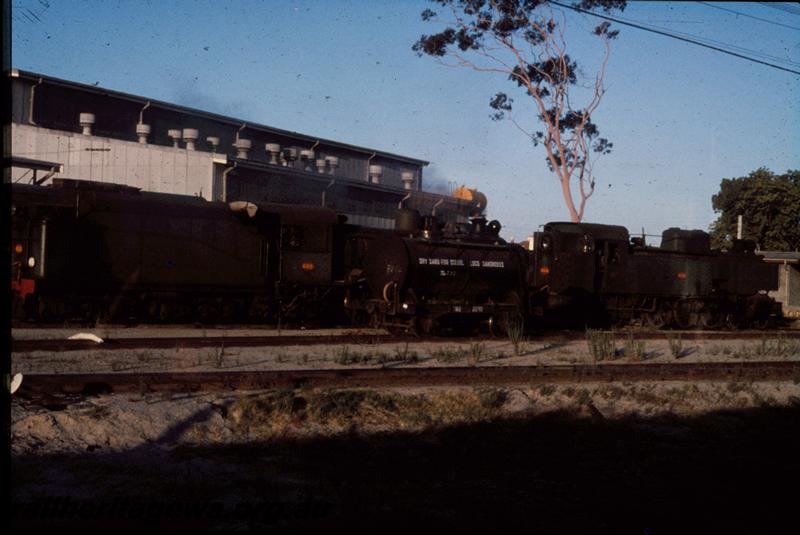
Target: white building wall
149	167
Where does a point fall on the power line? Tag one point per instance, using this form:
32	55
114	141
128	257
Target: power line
782	7
748	16
728	46
673	36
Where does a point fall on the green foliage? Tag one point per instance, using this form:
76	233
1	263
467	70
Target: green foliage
769	205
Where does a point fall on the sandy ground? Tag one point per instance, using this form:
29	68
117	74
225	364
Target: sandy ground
120	422
541	457
545	458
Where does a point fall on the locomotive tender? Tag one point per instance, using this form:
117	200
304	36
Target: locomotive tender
84	250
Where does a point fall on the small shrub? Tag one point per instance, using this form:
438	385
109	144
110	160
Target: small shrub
476	351
779	346
547	390
735	388
675	344
634	349
610	392
448	354
492	398
405	356
584	397
516	329
601	344
345	356
219	355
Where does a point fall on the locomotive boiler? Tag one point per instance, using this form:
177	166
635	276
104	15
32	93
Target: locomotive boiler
429	276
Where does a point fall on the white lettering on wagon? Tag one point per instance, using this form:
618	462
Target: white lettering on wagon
496	264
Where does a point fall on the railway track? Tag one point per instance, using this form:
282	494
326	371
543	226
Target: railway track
49	385
57	345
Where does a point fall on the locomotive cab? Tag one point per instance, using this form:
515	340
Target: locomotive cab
573	264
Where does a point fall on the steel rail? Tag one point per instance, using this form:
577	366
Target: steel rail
58	345
87	384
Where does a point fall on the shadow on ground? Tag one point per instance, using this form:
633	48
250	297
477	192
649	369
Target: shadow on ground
729	471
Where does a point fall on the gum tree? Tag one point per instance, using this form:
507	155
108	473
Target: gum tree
525	41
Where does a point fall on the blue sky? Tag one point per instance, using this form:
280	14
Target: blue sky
681	117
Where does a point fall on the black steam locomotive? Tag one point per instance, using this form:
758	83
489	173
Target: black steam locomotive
427	276
85	250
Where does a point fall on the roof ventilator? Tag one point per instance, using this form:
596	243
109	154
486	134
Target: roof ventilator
307	156
375	172
242	148
289	156
142	131
190	135
175	135
273	149
214	142
86	122
408	179
333	164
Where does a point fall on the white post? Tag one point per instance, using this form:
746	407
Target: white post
739	228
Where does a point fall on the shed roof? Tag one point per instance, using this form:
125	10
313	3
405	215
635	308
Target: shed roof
35	77
780	257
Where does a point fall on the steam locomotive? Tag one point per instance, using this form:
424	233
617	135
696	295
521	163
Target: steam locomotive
83	250
599	273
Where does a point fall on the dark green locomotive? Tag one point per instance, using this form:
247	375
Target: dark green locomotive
600	274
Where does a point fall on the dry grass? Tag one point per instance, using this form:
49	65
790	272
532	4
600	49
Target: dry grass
601	344
333	411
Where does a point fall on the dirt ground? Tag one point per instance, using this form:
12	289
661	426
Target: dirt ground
649	457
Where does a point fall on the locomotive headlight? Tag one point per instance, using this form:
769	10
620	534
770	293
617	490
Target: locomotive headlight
681	275
307	266
18	248
544	270
405	306
31	262
546	242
